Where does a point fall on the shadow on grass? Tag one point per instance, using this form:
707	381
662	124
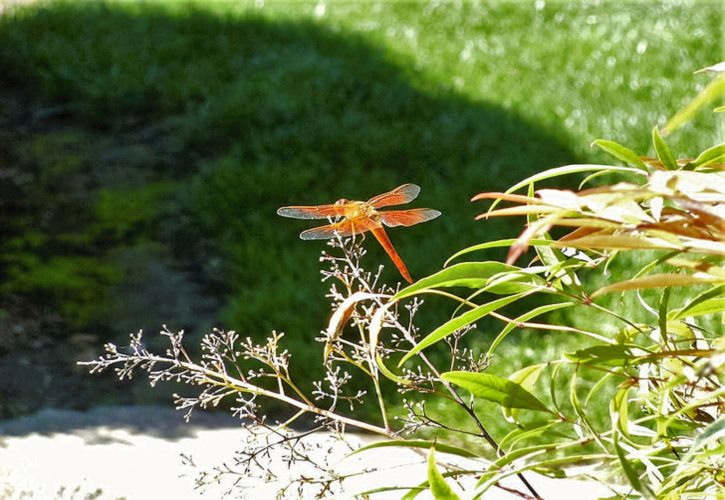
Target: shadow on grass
93	425
151	146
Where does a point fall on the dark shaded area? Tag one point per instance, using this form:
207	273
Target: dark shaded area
161	422
144	152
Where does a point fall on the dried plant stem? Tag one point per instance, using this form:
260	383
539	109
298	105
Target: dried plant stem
381	402
236	385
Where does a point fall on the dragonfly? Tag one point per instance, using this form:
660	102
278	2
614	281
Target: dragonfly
358	217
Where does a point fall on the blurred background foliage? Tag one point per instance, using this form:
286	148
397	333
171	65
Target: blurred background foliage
144	149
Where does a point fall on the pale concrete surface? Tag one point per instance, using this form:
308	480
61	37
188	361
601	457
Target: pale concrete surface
136	455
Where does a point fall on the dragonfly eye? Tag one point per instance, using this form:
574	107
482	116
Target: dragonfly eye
342	201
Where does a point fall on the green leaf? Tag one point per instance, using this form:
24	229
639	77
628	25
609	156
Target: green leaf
389	374
663	150
532	430
460	321
497	389
714	90
590	178
413	491
438	486
694	403
619	410
466	274
418	443
600	384
492	244
565	170
554	385
508	458
526	378
711	306
606	353
662	313
583	421
525	317
715	154
709	434
658	281
617	242
709	302
620	152
487	482
629	471
715	68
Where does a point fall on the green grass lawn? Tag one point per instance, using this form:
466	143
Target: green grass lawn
149	145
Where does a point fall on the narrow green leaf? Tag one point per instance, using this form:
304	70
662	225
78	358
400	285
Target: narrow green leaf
709	434
565	170
414	492
554	462
715	68
526	378
505	460
662	316
709	302
711	306
553	386
466	274
658	281
497	389
528	210
714	90
590	178
620	152
460	321
491	244
385	489
438	486
599	385
525	317
694	403
617	242
418	443
629	471
389	374
715	154
535	430
606	353
663	150
619	410
583	421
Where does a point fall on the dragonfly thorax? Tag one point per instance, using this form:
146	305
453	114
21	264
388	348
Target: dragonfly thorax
357	210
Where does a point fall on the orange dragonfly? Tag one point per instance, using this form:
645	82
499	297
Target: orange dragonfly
358	217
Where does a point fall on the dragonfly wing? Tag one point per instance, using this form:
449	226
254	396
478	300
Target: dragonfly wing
311	212
341	229
327	232
406	218
398	196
